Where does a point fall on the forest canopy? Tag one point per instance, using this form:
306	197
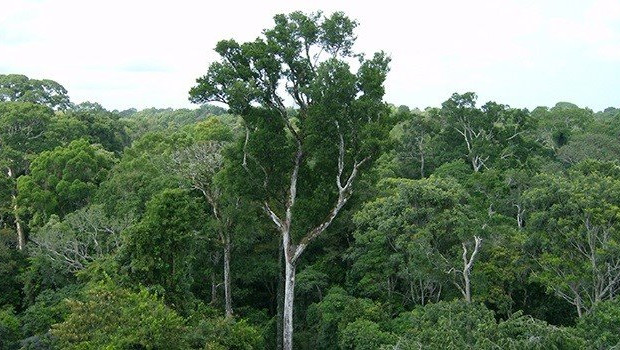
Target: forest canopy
295	208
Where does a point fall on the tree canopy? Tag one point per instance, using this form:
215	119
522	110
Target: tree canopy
301	210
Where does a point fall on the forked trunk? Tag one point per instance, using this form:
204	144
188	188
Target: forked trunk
468	263
467	286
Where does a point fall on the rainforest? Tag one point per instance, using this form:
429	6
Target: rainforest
295	208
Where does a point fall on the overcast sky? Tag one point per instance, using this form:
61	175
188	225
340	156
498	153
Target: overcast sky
140	54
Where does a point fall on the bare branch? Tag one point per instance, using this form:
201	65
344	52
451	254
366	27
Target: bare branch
274	217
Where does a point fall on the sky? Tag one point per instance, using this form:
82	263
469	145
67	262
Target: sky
141	54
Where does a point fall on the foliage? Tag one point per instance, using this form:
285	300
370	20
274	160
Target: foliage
10	331
43	274
111	317
332	101
23	133
12	263
575	240
459	325
17	87
461	226
48	309
141	172
152	119
365	335
92	122
157	248
330	320
493	135
601	326
409	238
63	180
220	333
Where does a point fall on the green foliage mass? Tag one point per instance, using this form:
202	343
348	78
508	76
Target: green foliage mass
459	325
10	331
63	180
470	225
17	87
111	317
12	264
156	248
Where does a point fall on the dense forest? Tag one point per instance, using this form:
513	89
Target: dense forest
295	208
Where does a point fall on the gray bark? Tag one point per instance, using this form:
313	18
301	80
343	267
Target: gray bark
213	289
227	284
467	265
21	236
289	295
280	300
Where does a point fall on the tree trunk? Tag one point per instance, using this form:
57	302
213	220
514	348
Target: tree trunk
467	286
520	215
21	236
578	306
215	260
289	293
467	266
421	149
213	290
227	287
280	299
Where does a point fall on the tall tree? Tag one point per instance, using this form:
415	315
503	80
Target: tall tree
421	144
414	233
574	238
23	133
17	87
490	134
200	164
304	160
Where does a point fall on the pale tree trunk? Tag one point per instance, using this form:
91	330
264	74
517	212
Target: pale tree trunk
21	236
213	289
605	283
520	216
578	306
477	161
199	164
227	284
289	295
280	299
421	150
224	237
467	265
463	283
